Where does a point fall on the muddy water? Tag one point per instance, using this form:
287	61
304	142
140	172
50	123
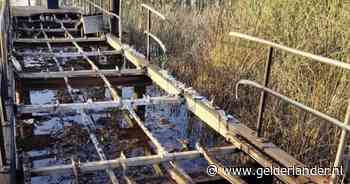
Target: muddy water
168	123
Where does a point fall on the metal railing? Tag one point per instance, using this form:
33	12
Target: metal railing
345	126
148	32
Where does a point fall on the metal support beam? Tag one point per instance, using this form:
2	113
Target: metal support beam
263	96
340	159
115	22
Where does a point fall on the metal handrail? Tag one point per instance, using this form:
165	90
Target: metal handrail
103	10
153	11
344	126
160	43
148	33
293	51
293	102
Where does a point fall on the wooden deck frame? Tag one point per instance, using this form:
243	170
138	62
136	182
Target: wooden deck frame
265	153
175	171
88	120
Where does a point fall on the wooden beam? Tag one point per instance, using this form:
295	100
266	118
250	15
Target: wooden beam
112	91
172	168
72	107
51	30
69	54
135	161
58	40
80	73
127	179
225	125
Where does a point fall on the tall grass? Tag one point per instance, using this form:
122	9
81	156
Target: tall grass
203	55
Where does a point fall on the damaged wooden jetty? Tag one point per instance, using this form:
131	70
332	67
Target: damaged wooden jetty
76	48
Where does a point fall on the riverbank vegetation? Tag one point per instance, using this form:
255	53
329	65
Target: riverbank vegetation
201	54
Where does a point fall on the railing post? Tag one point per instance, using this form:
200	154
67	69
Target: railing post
84	6
341	147
101	4
120	20
115	23
262	104
149	25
